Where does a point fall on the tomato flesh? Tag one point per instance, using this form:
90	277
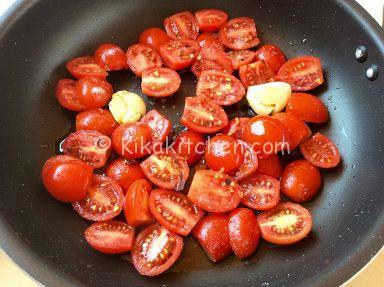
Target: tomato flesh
85	67
235	127
210	20
179	54
154	37
100	120
212	59
208	40
67	97
182	26
190	145
239	34
249	164
256	73
241	57
160	82
110	57
273	57
160	126
307	108
141	57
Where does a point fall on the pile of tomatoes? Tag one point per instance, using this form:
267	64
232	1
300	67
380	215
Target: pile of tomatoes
230	168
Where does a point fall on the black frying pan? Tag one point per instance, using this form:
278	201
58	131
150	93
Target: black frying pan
44	236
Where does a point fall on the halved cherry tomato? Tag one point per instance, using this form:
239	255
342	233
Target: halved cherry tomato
190	145
141	57
132	140
166	169
203	116
297	129
256	73
302	73
208	40
261	192
320	151
111	57
235	127
154	37
223	154
174	211
67	97
202	65
270	166
111	237
104	200
239	34
66	178
301	181
85	67
244	232
179	54
212	234
93	92
249	163
214	191
99	120
286	223
160	126
272	56
221	88
182	26
91	147
160	82
241	57
136	203
124	172
210	20
307	108
212	59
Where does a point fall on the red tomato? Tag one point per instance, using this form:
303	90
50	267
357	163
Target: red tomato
85	67
223	153
221	88
208	40
214	191
202	65
241	57
174	211
256	73
179	54
160	126
270	166
320	151
211	20
141	57
301	181
244	232
110	57
239	34
155	250
160	82
212	234
99	120
286	223
93	92
266	134
67	97
111	237
235	127
307	108
261	192
249	164
124	172
272	56
104	200
136	204
154	37
203	116
132	140
190	145
166	169
297	129
66	178
91	147
212	59
302	73
182	26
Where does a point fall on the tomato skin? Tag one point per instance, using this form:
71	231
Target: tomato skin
67	97
85	67
136	203
320	151
212	234
208	40
66	178
249	164
241	57
110	237
124	172
289	234
151	88
190	145
154	37
235	127
93	92
211	20
244	232
256	73
182	25
307	108
272	55
270	165
141	57
232	34
302	73
160	126
100	120
179	54
110	57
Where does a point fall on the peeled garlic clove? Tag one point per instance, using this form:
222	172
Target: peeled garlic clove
127	107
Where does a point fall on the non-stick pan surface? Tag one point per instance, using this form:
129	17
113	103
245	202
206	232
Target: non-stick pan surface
44	236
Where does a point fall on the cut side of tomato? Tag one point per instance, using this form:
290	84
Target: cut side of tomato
160	82
307	108
67	97
160	126
239	34
208	40
235	127
273	57
179	54
241	57
141	57
256	73
212	59
249	163
85	67
182	26
210	20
